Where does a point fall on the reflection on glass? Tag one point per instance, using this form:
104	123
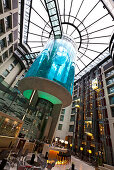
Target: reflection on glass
111	90
112	100
110	81
110	73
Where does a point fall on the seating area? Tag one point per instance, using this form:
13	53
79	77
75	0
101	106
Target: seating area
21	161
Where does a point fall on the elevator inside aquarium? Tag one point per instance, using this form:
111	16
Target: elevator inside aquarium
52	73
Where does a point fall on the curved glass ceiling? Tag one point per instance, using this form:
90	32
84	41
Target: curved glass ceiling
88	22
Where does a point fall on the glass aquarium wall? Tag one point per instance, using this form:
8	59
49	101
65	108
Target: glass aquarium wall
56	63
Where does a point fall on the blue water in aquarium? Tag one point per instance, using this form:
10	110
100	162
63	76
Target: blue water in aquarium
56	63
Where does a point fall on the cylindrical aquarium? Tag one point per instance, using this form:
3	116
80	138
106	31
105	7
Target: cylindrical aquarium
56	63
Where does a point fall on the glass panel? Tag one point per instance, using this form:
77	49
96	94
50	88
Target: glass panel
110	73
57	32
6	3
71	128
9	38
2	43
111	90
1	78
48	1
73	111
60	127
15	62
112	100
52	11
63	111
53	18
10	50
10	67
91	36
7	22
61	117
59	66
5	56
1	26
54	23
72	118
51	5
112	110
5	73
110	81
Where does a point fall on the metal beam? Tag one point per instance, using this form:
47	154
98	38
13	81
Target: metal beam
92	61
95	22
69	15
29	21
108	9
21	20
95	31
53	12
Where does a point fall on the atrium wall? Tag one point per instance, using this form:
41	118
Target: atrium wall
10	68
108	83
62	128
94	125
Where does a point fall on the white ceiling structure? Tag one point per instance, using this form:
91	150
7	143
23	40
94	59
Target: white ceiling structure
88	22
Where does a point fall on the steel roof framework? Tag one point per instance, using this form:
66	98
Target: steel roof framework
91	36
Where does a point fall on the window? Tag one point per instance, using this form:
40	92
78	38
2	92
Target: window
7	22
5	56
73	111
112	100
10	67
1	78
5	73
110	81
1	26
15	62
111	90
112	110
5	3
110	73
9	39
15	46
2	43
63	111
61	117
71	128
60	127
10	50
72	118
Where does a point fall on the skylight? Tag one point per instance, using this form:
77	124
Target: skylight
88	22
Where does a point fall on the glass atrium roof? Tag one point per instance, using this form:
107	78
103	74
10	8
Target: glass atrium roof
88	22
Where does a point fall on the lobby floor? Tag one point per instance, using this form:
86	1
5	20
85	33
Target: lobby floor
79	165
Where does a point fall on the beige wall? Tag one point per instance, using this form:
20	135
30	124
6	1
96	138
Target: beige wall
13	73
55	115
18	77
64	132
11	76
